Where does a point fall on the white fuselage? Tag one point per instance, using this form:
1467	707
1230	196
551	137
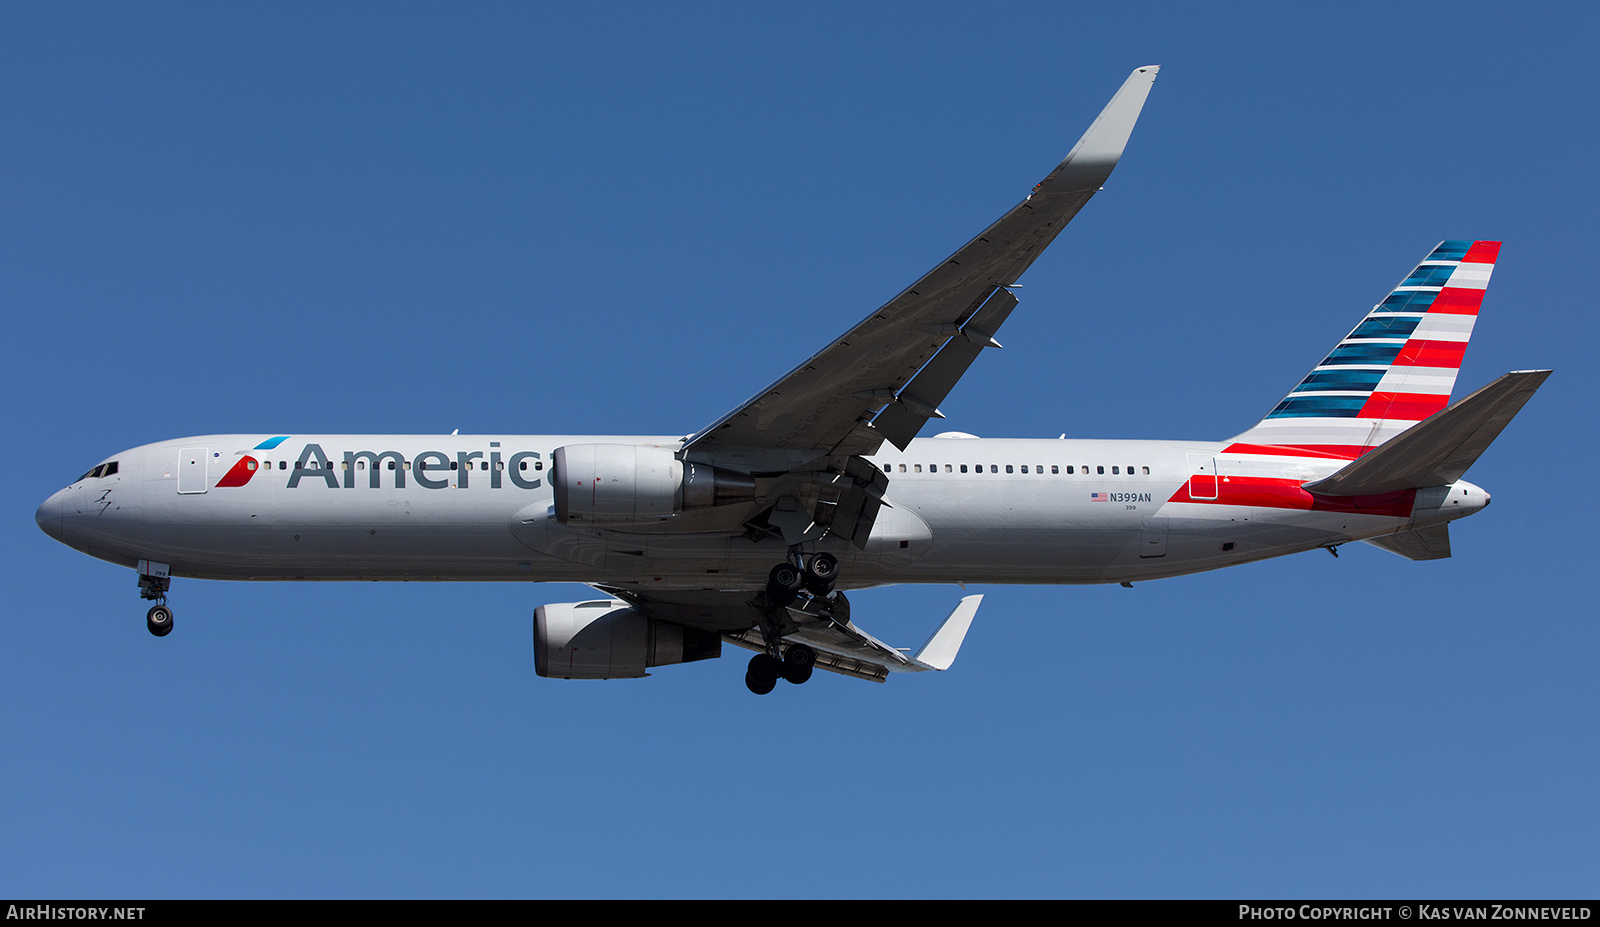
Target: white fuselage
410	507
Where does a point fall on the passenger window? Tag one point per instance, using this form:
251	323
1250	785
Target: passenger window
266	465
391	465
1056	468
1025	469
902	468
1115	471
1100	470
1146	471
917	467
947	468
963	468
523	465
1008	468
886	467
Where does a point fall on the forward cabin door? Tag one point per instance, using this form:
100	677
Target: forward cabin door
192	469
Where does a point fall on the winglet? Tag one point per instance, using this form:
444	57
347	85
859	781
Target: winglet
1100	148
940	650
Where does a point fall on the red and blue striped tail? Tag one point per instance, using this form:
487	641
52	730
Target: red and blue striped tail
1395	369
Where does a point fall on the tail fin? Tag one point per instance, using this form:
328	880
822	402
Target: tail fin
1395	369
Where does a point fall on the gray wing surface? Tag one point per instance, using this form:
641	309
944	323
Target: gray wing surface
842	647
899	363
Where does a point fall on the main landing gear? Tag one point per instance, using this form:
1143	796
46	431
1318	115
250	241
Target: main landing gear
765	671
159	618
788	581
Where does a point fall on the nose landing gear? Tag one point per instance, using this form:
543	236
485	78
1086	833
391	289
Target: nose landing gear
153	586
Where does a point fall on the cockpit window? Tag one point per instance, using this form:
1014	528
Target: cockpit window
105	469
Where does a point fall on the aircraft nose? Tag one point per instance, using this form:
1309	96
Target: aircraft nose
49	516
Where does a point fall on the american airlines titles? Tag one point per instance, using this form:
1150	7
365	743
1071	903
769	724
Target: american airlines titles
313	464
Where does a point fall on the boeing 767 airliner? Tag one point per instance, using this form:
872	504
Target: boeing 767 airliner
749	531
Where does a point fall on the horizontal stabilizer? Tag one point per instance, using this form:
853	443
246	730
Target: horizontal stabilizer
1432	543
1437	451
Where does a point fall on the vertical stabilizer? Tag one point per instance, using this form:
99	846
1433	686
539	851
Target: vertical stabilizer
1395	369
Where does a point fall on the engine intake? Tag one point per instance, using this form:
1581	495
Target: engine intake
609	639
632	483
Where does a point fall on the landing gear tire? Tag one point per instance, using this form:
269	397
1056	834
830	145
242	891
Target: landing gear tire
798	663
159	620
821	572
784	583
762	676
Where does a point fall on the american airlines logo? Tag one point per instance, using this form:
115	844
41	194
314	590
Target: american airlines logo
313	464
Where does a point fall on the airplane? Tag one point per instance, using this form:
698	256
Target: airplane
750	531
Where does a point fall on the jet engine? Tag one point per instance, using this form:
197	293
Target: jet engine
608	639
619	484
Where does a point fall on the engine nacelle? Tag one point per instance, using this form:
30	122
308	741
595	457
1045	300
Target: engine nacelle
619	484
609	639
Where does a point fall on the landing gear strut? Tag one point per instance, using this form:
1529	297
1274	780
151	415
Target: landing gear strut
159	618
815	575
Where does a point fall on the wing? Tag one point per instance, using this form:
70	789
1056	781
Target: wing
886	377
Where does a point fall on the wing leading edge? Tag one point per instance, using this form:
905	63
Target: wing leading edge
886	376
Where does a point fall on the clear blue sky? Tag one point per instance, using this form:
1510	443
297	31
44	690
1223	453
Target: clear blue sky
509	218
